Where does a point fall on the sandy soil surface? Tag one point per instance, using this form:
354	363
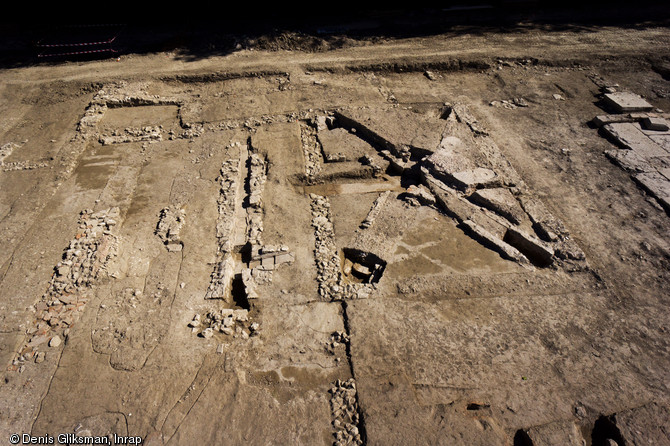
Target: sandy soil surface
410	241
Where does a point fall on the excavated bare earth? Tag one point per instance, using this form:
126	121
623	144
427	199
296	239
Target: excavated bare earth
421	241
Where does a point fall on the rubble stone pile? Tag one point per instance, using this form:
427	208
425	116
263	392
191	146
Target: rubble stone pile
149	133
220	282
84	261
337	339
231	322
86	256
170	223
257	178
229	181
325	253
6	150
311	150
344	406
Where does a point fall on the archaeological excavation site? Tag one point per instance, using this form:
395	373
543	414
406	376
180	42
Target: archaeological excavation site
342	235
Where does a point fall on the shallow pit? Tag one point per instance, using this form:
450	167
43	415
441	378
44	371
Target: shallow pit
361	266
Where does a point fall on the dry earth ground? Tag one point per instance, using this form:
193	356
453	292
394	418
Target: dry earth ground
456	343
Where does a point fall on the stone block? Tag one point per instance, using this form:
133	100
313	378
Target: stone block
493	242
174	247
449	157
284	258
448	199
268	263
268	249
629	160
361	269
602	120
421	193
536	250
657	185
241	315
662	140
623	102
651	123
565	433
476	178
501	201
630	136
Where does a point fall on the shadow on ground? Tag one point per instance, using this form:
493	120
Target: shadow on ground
312	29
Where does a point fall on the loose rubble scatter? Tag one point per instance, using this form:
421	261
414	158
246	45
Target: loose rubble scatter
417	195
6	150
231	322
84	261
170	222
510	104
344	407
23	165
87	254
337	338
